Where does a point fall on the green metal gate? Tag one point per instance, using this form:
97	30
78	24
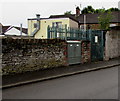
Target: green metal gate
97	47
74	52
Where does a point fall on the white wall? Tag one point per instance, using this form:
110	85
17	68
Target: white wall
73	24
112	44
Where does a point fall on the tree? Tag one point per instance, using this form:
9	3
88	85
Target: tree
84	11
112	9
99	10
68	12
88	9
104	20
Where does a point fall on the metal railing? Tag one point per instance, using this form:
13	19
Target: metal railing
68	33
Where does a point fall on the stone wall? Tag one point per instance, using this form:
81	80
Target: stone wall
22	55
86	51
112	44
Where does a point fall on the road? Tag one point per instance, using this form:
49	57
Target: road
101	84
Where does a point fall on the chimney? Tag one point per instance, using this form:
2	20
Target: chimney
38	16
77	11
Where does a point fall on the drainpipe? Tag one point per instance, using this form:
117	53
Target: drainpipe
84	22
20	29
85	27
38	25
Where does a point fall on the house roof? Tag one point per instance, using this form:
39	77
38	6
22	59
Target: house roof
90	18
65	16
93	18
7	28
57	16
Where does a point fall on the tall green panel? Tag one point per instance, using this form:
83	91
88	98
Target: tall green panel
97	48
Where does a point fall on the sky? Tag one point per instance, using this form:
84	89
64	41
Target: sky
15	12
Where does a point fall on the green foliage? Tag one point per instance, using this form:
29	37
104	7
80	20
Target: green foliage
99	10
68	12
90	9
112	9
104	20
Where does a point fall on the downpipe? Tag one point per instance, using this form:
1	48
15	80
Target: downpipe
38	25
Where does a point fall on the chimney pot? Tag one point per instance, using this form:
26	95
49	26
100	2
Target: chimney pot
38	16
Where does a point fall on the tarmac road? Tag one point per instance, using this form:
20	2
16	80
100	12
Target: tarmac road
101	84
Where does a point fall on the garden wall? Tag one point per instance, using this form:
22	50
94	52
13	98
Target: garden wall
21	55
112	44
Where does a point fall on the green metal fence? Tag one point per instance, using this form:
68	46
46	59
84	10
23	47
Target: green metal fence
68	33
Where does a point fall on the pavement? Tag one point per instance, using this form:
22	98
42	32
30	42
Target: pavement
47	74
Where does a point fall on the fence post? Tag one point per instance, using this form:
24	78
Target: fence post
48	32
102	45
90	35
55	32
65	32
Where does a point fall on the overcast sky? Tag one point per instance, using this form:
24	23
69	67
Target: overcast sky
14	12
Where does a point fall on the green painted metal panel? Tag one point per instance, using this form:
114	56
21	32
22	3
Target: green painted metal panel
74	53
97	48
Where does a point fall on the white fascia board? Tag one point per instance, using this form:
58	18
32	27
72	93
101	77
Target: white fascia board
56	18
73	41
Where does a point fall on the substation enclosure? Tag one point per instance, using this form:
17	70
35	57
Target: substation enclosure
73	52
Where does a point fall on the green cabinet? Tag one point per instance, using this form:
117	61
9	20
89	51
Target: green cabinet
74	52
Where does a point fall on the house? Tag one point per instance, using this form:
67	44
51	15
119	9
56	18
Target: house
91	20
37	27
13	31
93	23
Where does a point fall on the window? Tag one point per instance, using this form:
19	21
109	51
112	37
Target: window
82	27
57	24
35	25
